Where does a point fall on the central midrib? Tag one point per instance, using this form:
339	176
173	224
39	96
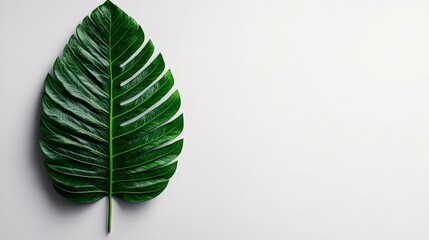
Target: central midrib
110	122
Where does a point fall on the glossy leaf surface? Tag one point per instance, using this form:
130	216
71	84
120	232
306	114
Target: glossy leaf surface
110	118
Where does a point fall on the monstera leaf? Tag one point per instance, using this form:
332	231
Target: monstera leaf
110	118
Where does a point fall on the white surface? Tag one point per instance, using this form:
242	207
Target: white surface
305	120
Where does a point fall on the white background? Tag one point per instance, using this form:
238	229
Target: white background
305	120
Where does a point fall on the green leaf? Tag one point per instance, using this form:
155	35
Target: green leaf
110	120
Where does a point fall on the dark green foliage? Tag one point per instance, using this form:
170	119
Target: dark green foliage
96	140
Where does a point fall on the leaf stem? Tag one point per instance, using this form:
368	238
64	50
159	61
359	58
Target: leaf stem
109	224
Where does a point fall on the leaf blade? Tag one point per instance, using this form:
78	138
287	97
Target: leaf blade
107	113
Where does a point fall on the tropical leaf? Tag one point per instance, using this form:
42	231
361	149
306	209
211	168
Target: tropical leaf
110	118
